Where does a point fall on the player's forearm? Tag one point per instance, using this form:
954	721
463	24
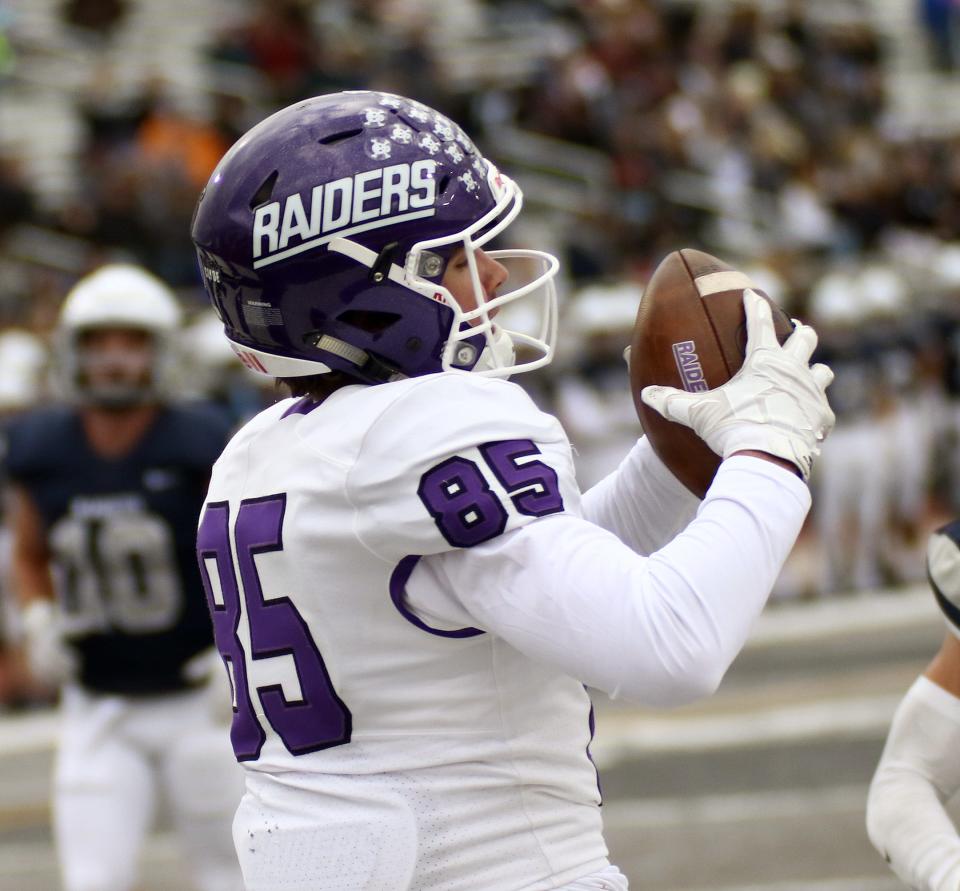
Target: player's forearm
31	581
49	660
641	502
917	772
29	563
709	584
30	573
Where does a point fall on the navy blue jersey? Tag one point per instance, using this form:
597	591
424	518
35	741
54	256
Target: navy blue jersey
122	537
942	553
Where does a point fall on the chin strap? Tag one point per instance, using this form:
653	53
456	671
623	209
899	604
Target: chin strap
499	352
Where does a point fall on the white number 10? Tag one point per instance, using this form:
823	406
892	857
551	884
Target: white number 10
116	572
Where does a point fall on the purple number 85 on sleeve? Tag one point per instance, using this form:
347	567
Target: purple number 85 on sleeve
464	506
533	485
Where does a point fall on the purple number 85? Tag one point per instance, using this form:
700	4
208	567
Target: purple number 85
318	719
464	506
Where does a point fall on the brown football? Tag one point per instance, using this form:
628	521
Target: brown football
690	333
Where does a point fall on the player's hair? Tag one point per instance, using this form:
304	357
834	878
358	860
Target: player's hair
317	386
320	386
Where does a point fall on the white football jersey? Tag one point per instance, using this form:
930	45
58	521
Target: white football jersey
383	750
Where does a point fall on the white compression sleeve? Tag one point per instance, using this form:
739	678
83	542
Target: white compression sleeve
641	502
661	630
918	771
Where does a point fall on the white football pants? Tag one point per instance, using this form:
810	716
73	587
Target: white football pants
116	756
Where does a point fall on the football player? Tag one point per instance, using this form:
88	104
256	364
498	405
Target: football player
919	769
408	588
106	492
24	359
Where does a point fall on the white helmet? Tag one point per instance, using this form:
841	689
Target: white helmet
209	362
118	296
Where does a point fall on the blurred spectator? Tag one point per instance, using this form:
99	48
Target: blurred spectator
591	398
941	19
874	482
144	162
100	16
278	41
16	197
111	115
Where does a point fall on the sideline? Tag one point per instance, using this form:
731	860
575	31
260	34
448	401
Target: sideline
845	614
781	804
625	735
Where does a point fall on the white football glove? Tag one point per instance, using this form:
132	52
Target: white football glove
49	657
775	403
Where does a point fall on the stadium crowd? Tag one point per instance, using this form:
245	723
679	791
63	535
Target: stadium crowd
757	131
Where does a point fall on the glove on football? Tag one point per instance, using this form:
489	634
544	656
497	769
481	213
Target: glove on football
775	403
49	657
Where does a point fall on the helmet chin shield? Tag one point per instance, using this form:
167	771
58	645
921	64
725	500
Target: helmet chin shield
500	352
498	356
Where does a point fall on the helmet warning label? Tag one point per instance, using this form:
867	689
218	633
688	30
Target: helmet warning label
261	315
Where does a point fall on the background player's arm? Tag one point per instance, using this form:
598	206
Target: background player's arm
920	768
48	657
31	556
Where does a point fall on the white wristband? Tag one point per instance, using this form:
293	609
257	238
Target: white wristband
48	656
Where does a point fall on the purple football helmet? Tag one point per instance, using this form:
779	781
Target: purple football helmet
324	233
